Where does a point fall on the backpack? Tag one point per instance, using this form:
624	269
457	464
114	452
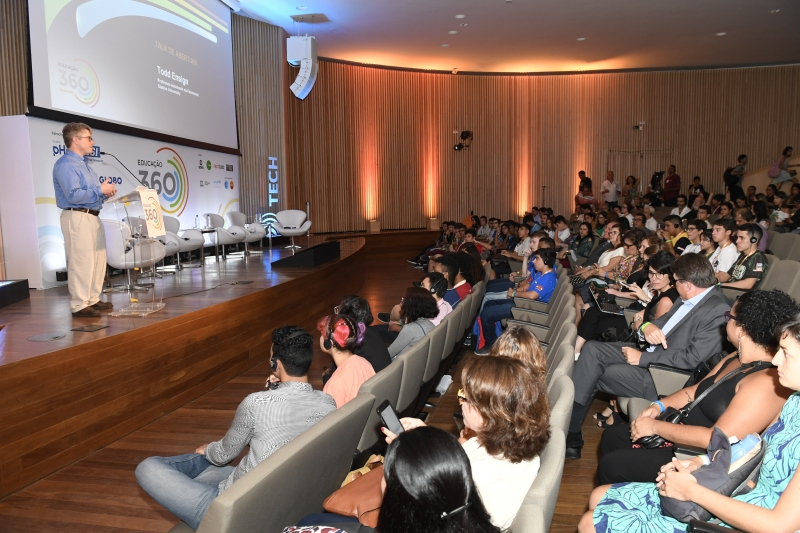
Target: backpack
729	179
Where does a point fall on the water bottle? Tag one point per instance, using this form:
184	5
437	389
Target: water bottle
743	447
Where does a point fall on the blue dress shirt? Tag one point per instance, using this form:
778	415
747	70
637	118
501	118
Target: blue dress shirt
682	311
76	184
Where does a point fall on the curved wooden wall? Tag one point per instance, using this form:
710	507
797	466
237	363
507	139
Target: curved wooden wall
378	143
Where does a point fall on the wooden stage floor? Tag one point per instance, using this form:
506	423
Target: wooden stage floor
97	492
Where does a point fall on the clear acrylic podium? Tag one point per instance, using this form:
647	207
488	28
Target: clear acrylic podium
137	241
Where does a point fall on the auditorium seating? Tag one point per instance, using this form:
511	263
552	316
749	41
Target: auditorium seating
536	512
295	480
292	482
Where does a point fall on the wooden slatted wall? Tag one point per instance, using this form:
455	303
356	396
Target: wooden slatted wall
378	143
13	57
261	86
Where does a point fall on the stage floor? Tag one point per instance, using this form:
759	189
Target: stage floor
48	311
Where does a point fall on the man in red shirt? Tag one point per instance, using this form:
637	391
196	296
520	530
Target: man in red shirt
470	234
672	187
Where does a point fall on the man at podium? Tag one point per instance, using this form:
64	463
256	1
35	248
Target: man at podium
80	195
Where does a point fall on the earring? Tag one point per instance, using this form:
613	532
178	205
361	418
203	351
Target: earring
739	349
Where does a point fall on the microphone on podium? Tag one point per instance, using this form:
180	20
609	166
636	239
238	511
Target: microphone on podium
126	168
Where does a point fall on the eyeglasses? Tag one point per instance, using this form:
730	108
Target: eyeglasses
729	316
86	137
651	274
462	399
690	228
681	281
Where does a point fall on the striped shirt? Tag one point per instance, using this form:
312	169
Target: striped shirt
266	421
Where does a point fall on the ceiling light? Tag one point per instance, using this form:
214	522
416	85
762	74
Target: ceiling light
445	45
775	11
581	38
720	34
460	16
463	24
302	8
455	71
452	32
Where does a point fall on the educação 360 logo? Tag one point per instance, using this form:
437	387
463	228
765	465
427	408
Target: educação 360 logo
172	184
79	79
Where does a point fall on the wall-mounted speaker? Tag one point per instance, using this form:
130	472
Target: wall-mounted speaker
302	51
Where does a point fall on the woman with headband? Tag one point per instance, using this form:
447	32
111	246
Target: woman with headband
340	336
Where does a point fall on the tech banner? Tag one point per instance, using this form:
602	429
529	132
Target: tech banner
189	182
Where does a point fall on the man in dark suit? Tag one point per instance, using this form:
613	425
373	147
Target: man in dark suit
685	336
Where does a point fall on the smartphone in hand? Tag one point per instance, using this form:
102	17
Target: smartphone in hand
389	418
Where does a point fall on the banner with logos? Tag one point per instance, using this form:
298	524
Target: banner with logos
189	182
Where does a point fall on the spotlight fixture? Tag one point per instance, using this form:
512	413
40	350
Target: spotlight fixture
720	34
455	70
466	135
459	147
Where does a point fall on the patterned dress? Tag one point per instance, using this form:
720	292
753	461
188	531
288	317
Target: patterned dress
636	507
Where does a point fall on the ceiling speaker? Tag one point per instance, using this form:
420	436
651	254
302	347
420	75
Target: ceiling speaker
302	51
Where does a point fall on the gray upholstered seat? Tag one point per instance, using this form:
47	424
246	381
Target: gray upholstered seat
292	482
385	385
414	362
561	396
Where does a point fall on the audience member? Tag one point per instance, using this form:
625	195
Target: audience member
770	506
672	187
437	285
694	232
518	342
681	338
682	208
448	266
704	213
786	173
186	484
675	239
707	244
761	217
630	191
650	222
507	425
751	266
584	181
340	336
610	190
416	309
372	348
539	287
745	404
735	189
725	255
716	203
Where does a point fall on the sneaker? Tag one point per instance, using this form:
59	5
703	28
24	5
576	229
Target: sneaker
412	262
482	351
86	312
418	267
417	283
385	317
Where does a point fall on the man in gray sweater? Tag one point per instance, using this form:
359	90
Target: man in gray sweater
186	484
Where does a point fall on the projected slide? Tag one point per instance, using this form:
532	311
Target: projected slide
159	65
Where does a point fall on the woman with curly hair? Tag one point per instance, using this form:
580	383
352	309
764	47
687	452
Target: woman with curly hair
340	336
745	404
507	425
416	309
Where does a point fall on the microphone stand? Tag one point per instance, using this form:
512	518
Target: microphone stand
126	168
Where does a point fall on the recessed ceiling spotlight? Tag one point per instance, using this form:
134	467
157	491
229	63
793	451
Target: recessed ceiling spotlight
302	8
445	45
463	24
452	32
581	39
460	16
775	11
720	34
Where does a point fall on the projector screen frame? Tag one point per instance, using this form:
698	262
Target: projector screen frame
115	127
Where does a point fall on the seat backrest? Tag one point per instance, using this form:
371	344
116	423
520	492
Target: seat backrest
487	268
291	218
782	244
435	351
117	234
561	394
236	218
385	385
561	364
414	362
567	334
782	275
214	220
453	321
466	314
172	224
794	251
536	513
294	480
138	225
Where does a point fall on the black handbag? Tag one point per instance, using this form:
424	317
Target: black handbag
676	416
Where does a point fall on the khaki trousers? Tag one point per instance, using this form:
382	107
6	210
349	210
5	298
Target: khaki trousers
85	244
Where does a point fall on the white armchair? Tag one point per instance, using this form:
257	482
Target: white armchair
126	253
292	223
189	241
253	232
223	236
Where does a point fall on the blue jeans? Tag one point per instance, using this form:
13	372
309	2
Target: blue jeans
184	485
496	289
494	311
